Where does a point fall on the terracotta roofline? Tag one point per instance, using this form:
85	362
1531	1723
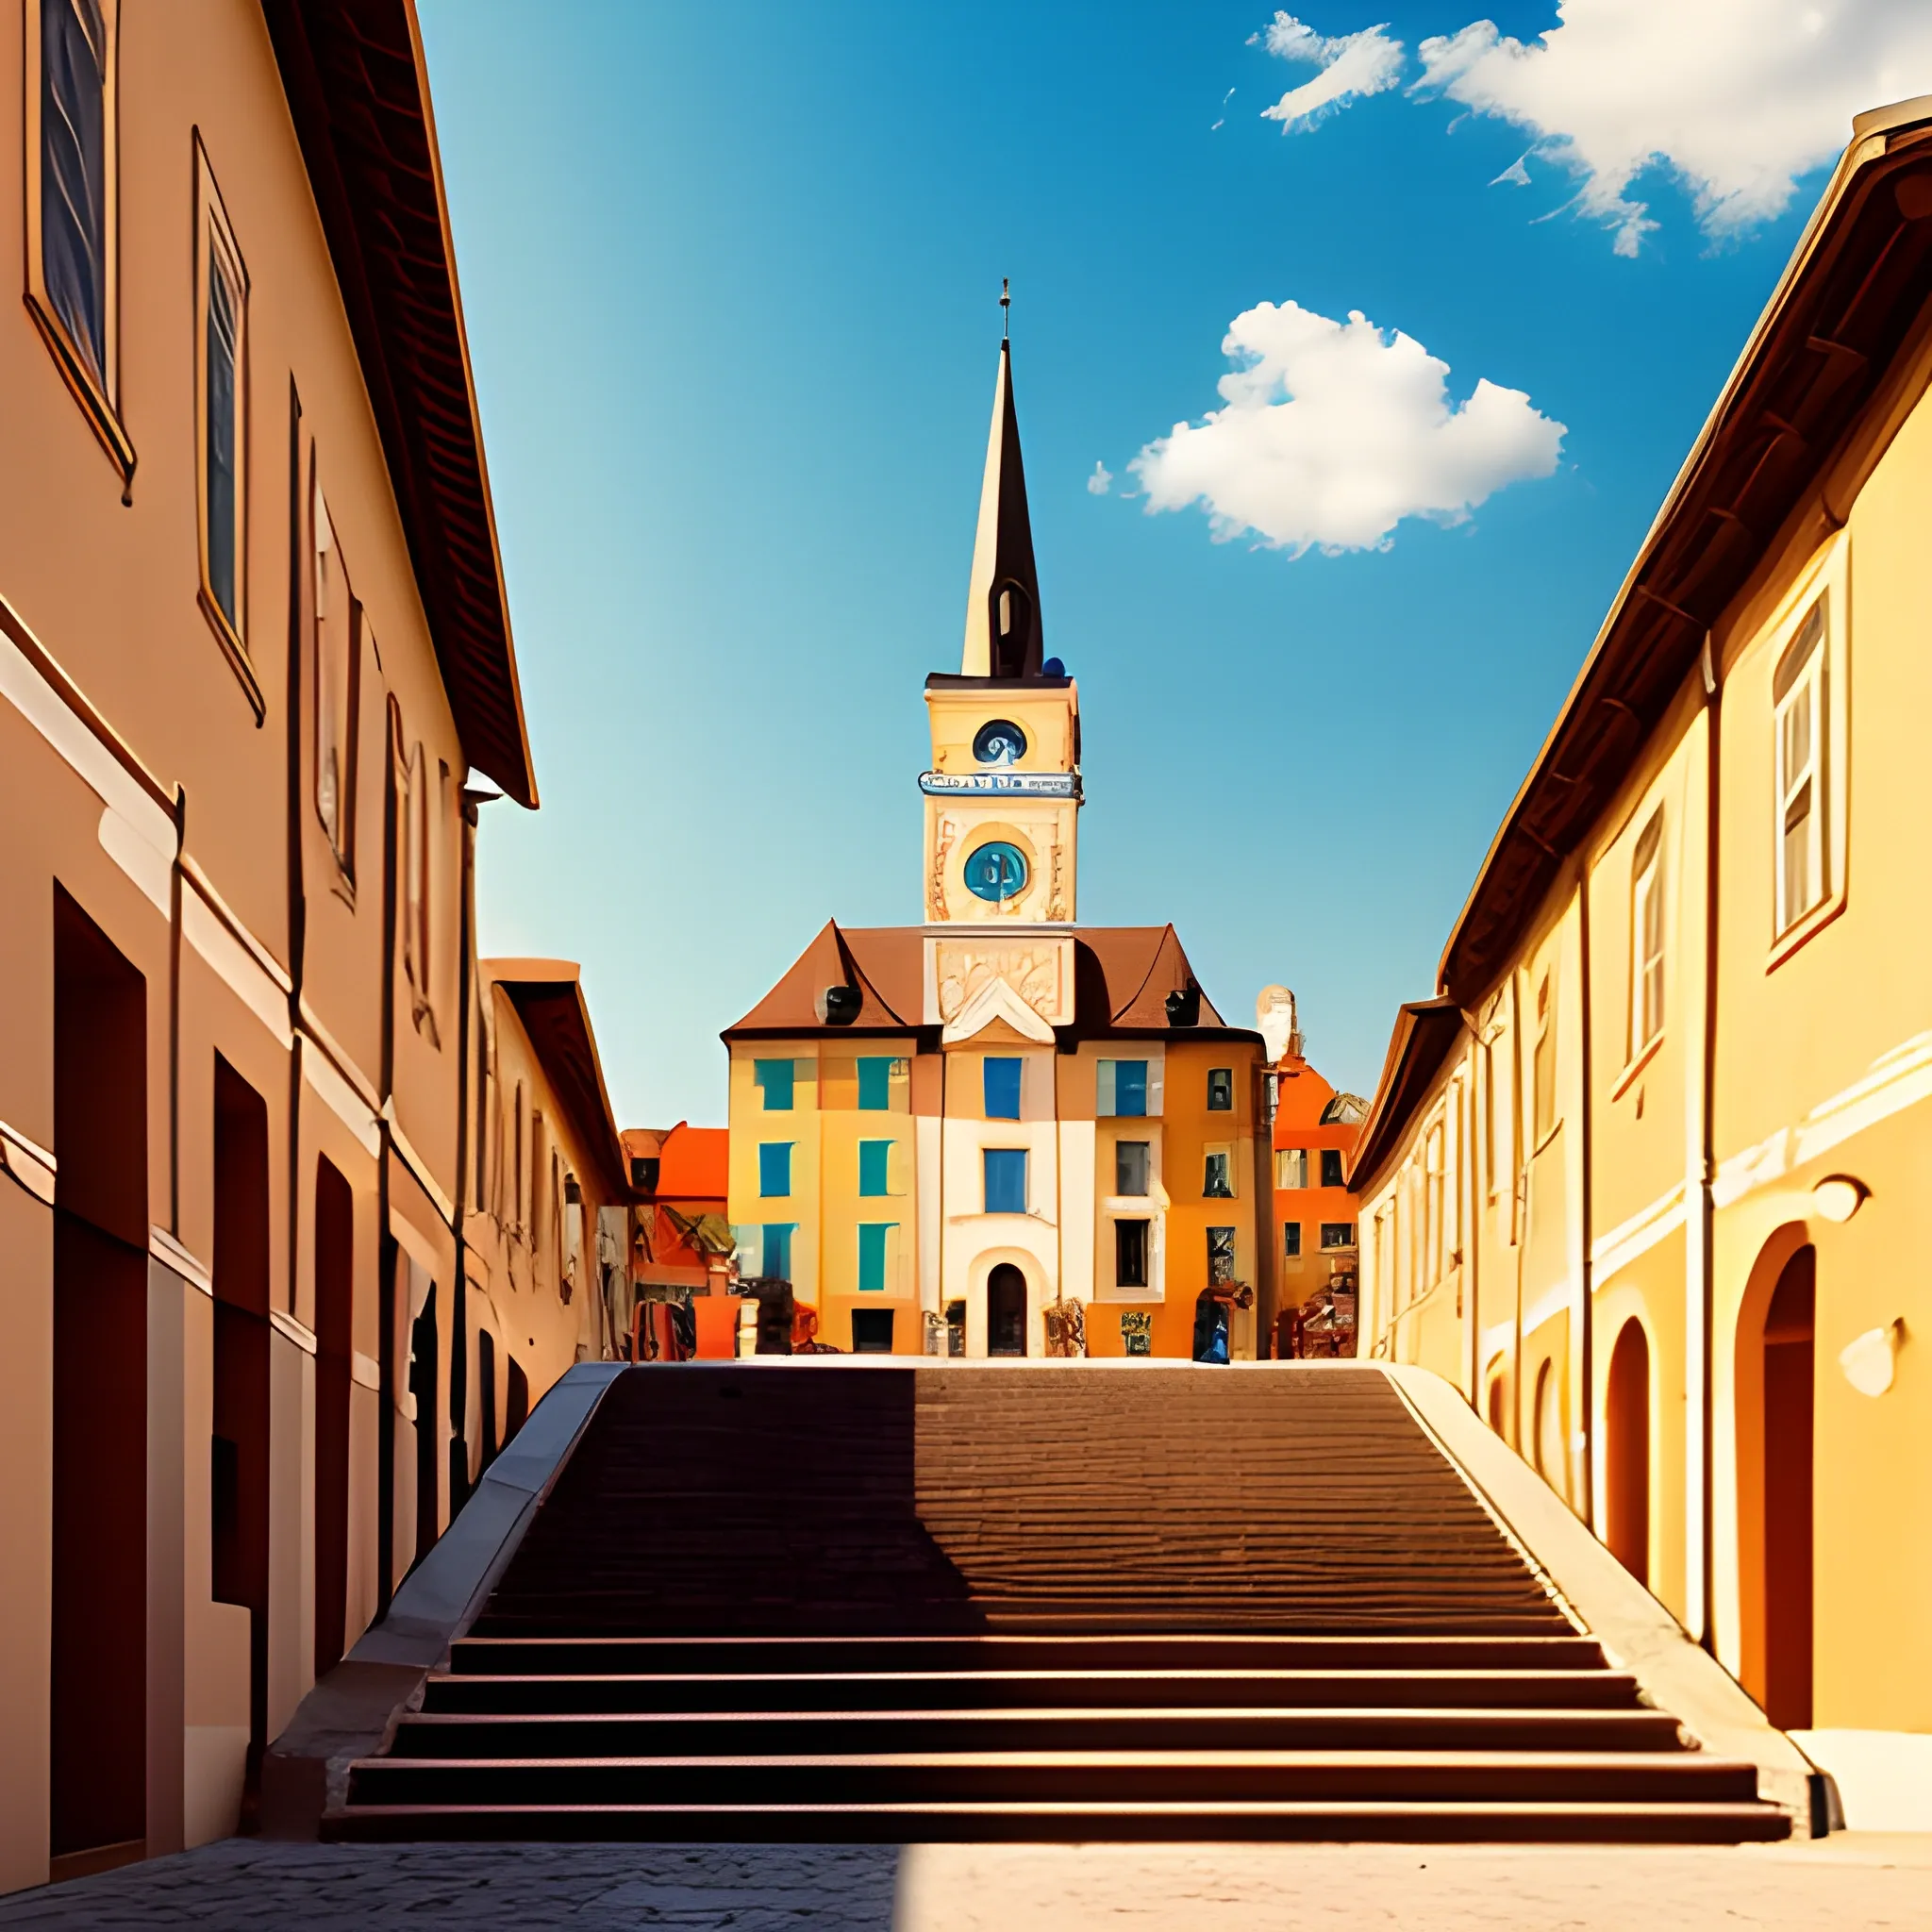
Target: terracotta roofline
1423	1032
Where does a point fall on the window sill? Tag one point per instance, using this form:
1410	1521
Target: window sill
236	654
1550	1133
1799	934
1636	1067
94	403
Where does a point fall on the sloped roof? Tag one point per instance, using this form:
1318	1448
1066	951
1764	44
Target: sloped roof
1425	1030
549	1000
1121	977
694	1164
358	94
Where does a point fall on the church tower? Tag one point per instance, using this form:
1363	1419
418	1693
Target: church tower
1003	792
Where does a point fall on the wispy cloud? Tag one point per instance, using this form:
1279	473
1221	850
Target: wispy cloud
1331	433
1736	98
1352	66
1101	481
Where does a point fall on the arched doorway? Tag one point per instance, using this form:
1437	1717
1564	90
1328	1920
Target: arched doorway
1628	1472
1006	1310
1498	1402
1788	1329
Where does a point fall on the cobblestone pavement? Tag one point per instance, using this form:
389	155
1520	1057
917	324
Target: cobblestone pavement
1846	1883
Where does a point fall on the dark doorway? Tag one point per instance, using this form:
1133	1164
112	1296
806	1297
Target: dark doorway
98	1686
334	1289
516	1402
872	1331
1006	1310
955	1328
1627	1485
1788	1329
240	1491
486	1395
422	1381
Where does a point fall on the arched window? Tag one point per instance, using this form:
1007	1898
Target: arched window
1012	630
1627	1414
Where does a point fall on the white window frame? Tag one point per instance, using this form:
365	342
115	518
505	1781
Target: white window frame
1646	1016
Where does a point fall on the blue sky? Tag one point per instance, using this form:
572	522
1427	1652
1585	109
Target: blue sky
731	283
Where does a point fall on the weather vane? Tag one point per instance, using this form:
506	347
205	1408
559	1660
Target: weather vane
1005	306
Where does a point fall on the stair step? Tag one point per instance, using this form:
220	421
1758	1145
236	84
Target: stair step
1143	1774
849	1690
831	1733
1071	1821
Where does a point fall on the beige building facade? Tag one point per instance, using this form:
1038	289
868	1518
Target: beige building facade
1647	1178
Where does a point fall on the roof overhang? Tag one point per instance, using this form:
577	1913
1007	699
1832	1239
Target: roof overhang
1849	300
358	94
1425	1033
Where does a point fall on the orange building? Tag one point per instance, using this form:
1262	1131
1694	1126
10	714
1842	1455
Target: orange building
1315	1218
681	1244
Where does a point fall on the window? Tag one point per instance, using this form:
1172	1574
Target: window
1432	1205
874	1166
1331	1167
872	1331
1290	1166
416	897
1220	1255
1291	1239
72	192
1006	1180
1121	1088
1336	1234
1000	1082
1130	1253
1220	1090
1217	1180
774	1081
774	1169
1544	1068
874	1245
337	669
1130	1167
775	1259
1647	937
876	1083
1798	698
222	294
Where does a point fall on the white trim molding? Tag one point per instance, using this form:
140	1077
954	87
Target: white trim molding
417	1165
339	1095
27	1162
1619	1246
177	1260
286	1325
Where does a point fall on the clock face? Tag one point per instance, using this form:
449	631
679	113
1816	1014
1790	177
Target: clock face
999	742
996	871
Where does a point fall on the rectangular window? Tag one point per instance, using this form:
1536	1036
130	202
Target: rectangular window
1220	1090
775	1170
1544	1067
72	191
1000	1088
872	1331
221	290
775	1256
1130	1167
1331	1167
874	1166
1121	1088
1647	937
338	619
1336	1234
1290	1166
1220	1255
774	1078
1798	698
1006	1180
1291	1239
874	1245
1432	1205
876	1083
1130	1253
415	816
1217	1181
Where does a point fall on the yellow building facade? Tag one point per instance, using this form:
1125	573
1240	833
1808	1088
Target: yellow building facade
999	1131
1648	1178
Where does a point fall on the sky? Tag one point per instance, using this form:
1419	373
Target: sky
1354	353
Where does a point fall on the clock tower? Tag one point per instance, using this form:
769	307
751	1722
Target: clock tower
1003	794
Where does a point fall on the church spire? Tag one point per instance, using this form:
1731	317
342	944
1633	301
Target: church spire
1003	600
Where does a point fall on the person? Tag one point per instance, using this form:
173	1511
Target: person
1066	1327
1211	1308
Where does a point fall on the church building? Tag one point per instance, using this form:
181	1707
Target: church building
999	1132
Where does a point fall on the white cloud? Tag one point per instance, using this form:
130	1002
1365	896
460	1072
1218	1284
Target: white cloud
1331	433
1736	98
1352	65
1101	481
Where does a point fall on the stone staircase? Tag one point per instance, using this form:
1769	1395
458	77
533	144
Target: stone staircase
853	1601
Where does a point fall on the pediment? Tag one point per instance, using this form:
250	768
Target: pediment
996	1015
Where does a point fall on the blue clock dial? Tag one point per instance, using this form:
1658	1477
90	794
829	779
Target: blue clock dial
999	742
996	871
